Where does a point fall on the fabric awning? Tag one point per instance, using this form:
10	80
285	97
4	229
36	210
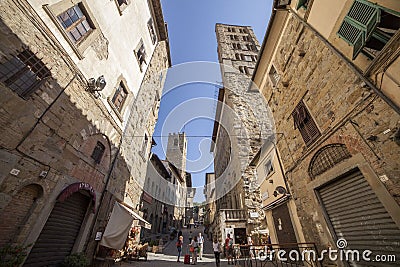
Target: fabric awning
119	225
117	228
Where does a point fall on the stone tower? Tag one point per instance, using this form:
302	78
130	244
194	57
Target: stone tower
237	47
177	151
238	137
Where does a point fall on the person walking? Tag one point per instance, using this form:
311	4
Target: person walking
200	241
179	233
229	248
190	236
179	246
193	249
217	251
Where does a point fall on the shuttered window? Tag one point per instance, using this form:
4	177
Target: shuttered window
359	24
302	3
305	123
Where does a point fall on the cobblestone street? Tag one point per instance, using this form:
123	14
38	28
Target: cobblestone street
169	255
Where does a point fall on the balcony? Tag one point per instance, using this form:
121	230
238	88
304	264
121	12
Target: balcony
232	215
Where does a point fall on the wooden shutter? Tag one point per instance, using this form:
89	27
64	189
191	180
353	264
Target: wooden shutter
365	14
301	3
359	24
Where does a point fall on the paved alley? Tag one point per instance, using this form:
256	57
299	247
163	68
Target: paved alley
169	255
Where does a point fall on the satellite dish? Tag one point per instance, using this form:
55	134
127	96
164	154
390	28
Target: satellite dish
281	190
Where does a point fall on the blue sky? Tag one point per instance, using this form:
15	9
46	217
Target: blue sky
191	30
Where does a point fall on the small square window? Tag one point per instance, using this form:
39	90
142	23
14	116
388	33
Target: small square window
153	35
141	55
120	96
98	152
274	76
75	23
269	168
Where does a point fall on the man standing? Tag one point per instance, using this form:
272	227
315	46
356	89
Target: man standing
190	236
200	241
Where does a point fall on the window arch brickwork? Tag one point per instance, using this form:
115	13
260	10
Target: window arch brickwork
327	157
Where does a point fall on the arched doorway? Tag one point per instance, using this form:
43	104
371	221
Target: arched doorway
58	235
17	212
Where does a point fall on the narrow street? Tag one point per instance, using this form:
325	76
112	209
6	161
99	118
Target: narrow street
169	255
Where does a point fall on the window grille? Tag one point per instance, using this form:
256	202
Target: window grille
23	73
326	158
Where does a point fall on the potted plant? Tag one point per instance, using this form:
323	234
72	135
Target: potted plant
12	255
75	260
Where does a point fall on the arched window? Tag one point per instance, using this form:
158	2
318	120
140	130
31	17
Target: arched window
327	157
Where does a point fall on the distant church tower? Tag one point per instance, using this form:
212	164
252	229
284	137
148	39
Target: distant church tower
177	151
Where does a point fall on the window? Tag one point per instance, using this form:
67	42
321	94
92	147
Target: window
302	3
367	27
122	2
304	122
269	168
274	76
237	56
75	23
23	73
119	96
141	55
144	145
247	58
175	142
241	69
98	152
150	26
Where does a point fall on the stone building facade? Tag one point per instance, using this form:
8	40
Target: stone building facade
238	131
334	97
68	142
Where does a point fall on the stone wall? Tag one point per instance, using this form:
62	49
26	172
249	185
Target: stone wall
346	112
49	137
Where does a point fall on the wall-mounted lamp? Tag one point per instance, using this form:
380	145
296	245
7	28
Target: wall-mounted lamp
280	190
94	86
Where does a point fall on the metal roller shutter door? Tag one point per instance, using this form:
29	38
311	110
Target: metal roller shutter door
58	236
357	215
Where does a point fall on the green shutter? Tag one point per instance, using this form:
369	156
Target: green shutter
302	3
365	14
359	24
353	35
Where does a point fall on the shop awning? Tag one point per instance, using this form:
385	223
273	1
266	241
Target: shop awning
117	228
119	225
142	222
